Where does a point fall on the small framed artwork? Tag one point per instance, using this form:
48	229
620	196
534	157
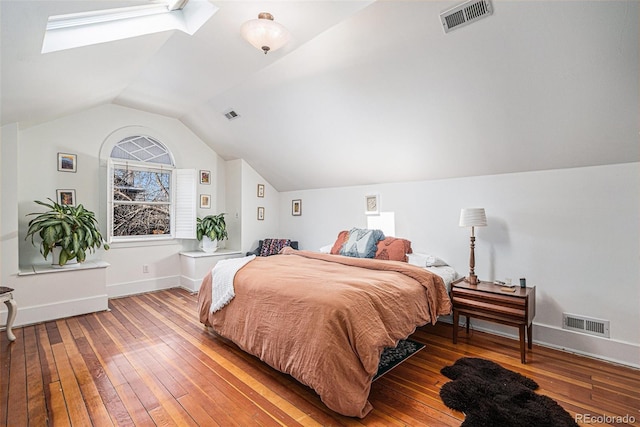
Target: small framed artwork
260	190
205	201
260	213
66	197
372	204
296	207
67	162
205	177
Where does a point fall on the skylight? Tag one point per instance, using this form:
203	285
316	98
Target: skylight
101	26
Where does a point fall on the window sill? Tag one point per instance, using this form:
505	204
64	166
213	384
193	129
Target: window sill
202	254
145	243
48	268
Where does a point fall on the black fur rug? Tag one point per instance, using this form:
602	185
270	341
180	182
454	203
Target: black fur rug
490	395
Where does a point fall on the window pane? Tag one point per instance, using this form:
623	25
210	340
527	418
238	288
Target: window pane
141	220
141	186
142	149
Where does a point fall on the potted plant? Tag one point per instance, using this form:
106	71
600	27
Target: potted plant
210	230
71	231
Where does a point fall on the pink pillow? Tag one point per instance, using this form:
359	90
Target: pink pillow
394	249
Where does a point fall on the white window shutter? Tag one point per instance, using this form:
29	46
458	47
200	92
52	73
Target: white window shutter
186	189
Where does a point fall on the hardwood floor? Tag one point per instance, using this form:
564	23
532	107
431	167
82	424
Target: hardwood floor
149	361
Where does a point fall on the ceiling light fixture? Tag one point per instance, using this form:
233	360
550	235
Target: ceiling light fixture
265	34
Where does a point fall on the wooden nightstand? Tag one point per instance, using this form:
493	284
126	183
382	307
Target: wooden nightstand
487	302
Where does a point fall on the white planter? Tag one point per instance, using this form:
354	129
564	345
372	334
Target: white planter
209	245
55	262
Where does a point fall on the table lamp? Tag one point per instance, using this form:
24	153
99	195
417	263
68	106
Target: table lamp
472	217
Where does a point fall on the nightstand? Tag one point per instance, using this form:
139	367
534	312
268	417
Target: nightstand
487	301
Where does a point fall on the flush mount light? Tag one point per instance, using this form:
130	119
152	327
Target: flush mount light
265	34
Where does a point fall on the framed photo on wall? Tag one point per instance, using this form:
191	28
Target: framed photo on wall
205	201
372	204
205	177
260	190
260	213
66	197
67	162
296	207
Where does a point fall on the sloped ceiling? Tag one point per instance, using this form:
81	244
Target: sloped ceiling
366	92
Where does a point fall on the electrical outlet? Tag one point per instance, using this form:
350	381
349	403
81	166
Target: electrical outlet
145	268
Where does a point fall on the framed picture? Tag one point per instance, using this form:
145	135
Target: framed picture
260	190
296	207
205	177
205	201
67	162
372	204
260	213
66	197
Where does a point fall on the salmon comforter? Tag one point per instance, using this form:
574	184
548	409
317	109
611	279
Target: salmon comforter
325	319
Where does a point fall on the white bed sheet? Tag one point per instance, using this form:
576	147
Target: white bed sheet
448	274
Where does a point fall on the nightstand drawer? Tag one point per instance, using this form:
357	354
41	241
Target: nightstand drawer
493	298
507	309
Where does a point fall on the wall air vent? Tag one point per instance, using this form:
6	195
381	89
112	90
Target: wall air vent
588	325
231	115
465	14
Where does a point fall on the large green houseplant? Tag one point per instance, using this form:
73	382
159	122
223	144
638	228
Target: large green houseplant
210	230
73	230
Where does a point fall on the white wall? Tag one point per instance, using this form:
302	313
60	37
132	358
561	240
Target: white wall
8	203
252	228
573	233
36	178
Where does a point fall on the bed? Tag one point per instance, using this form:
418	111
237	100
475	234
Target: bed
325	319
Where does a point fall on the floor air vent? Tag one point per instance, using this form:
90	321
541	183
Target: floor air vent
465	14
584	324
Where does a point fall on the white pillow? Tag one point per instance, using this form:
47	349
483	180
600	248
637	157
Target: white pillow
425	260
326	249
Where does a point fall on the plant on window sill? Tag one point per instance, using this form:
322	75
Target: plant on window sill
212	227
72	229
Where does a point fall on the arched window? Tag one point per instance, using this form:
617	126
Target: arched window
142	190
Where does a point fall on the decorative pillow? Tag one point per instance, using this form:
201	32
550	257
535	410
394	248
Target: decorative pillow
361	243
424	260
273	246
394	249
340	241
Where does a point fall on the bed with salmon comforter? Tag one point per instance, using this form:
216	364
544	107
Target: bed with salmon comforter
325	319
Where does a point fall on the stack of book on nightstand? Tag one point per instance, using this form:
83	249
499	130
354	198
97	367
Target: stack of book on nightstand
504	287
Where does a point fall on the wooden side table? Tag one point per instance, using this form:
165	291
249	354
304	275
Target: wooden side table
487	301
7	297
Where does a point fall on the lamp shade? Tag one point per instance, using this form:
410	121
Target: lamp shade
265	34
473	217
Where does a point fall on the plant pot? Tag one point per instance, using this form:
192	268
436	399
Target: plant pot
55	262
208	245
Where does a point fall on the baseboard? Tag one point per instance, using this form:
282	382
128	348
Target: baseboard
60	309
189	284
610	350
141	286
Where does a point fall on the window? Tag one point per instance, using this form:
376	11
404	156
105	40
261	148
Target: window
142	192
100	26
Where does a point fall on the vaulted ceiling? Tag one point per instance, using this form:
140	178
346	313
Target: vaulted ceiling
365	92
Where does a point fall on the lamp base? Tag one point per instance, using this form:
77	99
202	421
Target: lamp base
472	279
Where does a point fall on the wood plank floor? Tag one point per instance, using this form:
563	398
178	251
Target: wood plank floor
149	362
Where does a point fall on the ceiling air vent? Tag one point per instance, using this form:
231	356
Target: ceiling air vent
231	115
465	14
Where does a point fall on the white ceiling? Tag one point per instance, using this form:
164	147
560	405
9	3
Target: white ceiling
366	92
